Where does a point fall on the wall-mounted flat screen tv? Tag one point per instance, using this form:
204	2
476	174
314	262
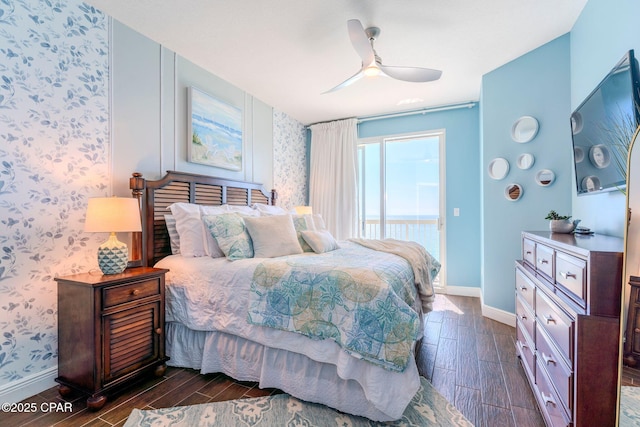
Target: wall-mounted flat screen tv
602	128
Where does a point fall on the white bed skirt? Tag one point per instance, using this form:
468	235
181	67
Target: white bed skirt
355	387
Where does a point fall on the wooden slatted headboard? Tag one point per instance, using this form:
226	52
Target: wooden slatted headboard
153	244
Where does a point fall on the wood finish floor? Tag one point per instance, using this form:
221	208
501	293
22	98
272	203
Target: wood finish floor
471	360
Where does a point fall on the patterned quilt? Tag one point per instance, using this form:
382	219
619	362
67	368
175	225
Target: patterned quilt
358	297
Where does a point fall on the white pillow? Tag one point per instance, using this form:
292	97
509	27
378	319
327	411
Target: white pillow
174	237
320	241
211	245
245	210
190	229
273	236
231	234
268	209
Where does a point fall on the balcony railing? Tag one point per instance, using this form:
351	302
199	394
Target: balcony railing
423	231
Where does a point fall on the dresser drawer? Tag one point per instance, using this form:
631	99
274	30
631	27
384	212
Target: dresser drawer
549	400
556	323
529	252
126	293
525	350
525	317
544	260
571	274
560	374
525	287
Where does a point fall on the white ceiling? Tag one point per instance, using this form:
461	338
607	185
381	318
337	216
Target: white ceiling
287	52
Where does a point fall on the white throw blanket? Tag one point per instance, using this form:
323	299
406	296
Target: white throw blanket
425	267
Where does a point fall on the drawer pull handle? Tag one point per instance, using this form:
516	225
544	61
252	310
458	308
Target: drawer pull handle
543	261
549	319
159	331
523	288
135	292
548	359
523	317
567	275
528	252
548	400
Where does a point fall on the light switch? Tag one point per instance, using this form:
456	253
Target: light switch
456	211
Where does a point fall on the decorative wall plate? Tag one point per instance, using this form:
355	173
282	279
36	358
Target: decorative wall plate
545	177
498	168
513	192
524	129
525	161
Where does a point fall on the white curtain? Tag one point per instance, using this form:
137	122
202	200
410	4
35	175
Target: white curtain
332	178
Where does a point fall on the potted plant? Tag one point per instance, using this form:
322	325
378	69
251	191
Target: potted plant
560	223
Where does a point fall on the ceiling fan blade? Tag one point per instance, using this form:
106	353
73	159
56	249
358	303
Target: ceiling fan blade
357	76
360	41
411	74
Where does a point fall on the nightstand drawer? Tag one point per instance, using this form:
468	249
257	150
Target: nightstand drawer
556	323
125	293
570	273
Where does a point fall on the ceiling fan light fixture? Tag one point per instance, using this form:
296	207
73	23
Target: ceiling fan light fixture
372	71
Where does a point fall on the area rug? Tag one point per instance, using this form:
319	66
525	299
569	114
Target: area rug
629	406
428	408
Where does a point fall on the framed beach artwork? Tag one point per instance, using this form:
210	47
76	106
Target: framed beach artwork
215	132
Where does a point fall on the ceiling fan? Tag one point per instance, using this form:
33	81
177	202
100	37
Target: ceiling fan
362	41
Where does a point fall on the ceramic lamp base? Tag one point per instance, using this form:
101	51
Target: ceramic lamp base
113	256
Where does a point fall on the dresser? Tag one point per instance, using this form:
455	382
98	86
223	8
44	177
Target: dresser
110	331
568	294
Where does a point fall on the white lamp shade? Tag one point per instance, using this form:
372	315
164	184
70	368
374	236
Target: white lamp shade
304	210
112	214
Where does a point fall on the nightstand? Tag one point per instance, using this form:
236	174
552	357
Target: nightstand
110	331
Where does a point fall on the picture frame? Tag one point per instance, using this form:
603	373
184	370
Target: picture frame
214	131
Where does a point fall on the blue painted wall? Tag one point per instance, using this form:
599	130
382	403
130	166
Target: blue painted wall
605	30
536	84
462	155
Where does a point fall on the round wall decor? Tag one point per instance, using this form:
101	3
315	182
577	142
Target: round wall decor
524	129
498	168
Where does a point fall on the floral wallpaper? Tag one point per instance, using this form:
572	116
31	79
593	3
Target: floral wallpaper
290	165
54	155
54	151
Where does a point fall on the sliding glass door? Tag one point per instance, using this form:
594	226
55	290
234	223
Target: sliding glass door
400	190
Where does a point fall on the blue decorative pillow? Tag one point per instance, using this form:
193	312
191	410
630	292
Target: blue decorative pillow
231	234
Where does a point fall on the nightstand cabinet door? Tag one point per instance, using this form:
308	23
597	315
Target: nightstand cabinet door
131	339
110	330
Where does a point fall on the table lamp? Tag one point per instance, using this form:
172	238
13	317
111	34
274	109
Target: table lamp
303	210
112	215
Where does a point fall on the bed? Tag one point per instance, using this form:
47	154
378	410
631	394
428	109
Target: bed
262	318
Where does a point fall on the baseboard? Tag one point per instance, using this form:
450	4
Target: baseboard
463	291
29	386
498	315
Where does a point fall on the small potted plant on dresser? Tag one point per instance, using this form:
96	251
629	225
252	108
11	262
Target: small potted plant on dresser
561	223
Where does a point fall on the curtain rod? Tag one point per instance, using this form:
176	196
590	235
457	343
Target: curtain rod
426	110
470	104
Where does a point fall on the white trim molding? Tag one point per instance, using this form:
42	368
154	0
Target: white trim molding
498	315
28	386
463	291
